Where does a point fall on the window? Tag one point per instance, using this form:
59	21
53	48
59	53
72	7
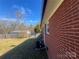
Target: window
46	29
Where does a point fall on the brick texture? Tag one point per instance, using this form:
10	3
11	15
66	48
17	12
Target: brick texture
63	37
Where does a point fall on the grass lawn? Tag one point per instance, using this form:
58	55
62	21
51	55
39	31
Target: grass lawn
8	44
20	49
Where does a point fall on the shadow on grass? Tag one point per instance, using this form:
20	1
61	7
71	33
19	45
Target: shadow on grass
25	51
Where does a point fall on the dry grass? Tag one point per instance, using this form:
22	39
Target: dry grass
25	50
8	44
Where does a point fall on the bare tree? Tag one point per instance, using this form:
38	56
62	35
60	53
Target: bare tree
4	28
7	27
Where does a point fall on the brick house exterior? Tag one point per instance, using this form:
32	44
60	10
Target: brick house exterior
62	18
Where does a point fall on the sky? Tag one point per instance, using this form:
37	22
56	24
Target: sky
30	10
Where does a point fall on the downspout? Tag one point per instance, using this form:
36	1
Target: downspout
43	11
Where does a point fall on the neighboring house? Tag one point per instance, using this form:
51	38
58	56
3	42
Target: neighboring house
60	24
17	34
21	34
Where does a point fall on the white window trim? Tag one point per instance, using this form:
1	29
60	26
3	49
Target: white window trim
47	29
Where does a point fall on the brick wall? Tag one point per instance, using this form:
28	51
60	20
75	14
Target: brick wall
63	35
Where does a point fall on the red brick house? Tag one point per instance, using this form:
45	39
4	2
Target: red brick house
60	24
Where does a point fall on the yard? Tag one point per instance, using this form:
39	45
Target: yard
20	49
8	44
